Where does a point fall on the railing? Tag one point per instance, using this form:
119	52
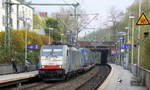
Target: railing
8	68
143	75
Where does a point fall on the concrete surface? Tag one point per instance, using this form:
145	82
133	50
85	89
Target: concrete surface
119	79
18	76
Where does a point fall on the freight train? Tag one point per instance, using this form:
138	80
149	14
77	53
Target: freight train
60	61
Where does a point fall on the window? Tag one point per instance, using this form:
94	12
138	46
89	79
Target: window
57	52
12	10
47	52
50	52
3	20
3	3
146	34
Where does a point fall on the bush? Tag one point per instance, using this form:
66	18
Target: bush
18	46
146	54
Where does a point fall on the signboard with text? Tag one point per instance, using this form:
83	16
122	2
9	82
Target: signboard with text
32	46
126	46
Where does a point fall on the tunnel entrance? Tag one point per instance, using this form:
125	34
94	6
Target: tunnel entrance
104	56
105	48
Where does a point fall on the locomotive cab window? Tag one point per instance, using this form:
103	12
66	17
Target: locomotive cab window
46	52
57	52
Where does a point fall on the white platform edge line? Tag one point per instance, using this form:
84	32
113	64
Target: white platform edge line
15	79
102	87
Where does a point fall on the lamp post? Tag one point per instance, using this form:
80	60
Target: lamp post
61	37
120	50
128	33
127	53
132	20
139	29
50	29
85	35
122	41
27	26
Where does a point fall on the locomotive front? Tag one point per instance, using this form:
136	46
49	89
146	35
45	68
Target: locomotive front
51	62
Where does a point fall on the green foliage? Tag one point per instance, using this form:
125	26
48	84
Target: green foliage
144	42
45	39
52	23
2	39
56	34
146	53
33	56
18	46
34	38
132	10
38	23
18	40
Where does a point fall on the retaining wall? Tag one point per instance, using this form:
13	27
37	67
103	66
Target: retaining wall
7	68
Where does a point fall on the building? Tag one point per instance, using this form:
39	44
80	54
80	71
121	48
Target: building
43	14
22	16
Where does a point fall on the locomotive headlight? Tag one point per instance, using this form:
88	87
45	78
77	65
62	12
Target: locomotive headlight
60	66
42	66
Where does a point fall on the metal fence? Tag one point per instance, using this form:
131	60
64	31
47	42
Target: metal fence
8	68
143	75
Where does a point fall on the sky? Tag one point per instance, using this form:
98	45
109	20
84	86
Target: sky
90	6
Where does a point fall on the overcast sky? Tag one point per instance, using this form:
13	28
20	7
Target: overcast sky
90	6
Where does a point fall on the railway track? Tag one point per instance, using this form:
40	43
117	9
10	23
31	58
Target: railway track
87	81
96	80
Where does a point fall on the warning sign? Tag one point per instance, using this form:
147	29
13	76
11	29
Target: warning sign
143	20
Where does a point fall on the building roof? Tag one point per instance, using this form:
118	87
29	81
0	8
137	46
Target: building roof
22	1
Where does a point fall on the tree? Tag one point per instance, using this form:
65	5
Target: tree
144	42
52	23
18	45
38	23
115	16
121	20
68	22
65	20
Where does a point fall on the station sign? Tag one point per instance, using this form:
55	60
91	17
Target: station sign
32	46
126	46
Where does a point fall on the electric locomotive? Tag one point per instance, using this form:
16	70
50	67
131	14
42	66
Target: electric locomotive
60	61
57	61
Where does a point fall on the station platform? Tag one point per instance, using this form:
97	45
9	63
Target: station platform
16	77
119	79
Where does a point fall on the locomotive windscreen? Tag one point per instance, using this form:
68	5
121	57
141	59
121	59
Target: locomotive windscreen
46	52
52	51
57	52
